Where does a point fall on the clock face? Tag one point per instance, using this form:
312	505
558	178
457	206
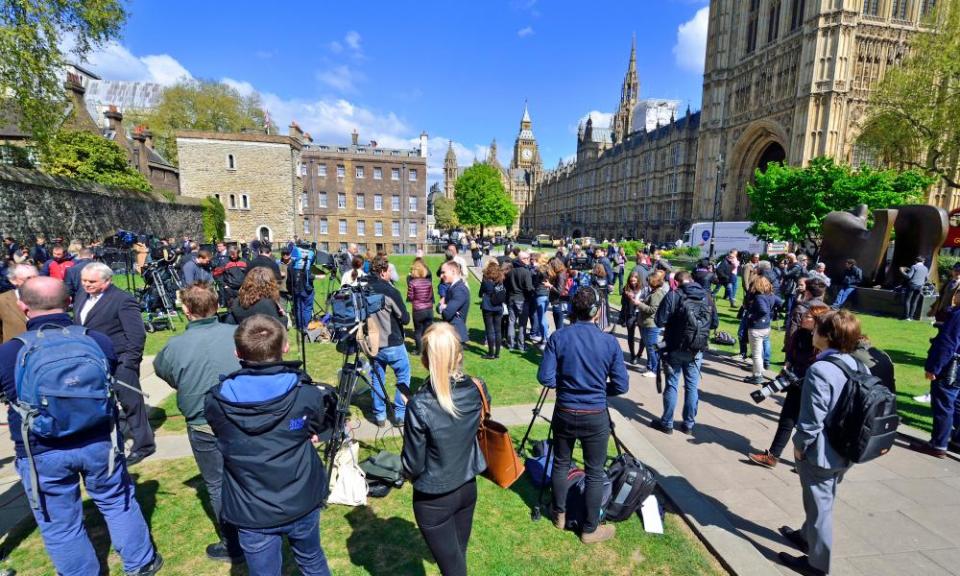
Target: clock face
526	154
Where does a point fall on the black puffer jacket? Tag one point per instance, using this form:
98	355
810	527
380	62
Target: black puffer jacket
264	417
440	451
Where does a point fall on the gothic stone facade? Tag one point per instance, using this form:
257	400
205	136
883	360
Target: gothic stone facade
789	80
255	176
520	180
375	197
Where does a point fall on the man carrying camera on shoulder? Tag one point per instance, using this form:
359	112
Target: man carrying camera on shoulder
585	365
390	320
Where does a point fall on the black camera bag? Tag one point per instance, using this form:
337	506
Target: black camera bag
631	483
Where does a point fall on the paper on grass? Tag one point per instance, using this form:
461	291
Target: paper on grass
650	512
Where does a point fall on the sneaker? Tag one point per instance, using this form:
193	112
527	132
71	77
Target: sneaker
657	425
649	374
740	358
220	553
632	361
560	520
795	538
602	533
150	568
688	430
764	459
758	380
923	398
488	356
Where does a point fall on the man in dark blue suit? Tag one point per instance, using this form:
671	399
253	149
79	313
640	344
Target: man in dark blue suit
103	307
456	302
72	277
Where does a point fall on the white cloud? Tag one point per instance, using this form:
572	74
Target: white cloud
335	47
341	78
114	62
691	47
244	88
600	120
525	31
353	40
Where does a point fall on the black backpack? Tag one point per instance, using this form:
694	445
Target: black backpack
864	421
697	315
499	295
631	484
576	513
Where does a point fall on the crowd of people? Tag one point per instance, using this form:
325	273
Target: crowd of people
252	416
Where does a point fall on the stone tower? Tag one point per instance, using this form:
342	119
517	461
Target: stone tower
525	146
629	97
449	171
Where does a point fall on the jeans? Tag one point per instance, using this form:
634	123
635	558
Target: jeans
303	309
842	296
210	462
422	319
445	521
593	431
60	516
395	357
946	413
787	421
617	278
650	337
262	547
730	290
676	362
544	326
789	302
559	309
517	326
758	336
912	297
491	325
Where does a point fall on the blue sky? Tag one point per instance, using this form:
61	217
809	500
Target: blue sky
459	70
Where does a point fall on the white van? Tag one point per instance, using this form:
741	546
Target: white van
729	236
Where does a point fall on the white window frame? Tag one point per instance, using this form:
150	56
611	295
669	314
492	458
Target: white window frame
342	226
411	229
361	202
395	203
359	172
306	226
412	203
322	199
395	228
378	201
378	228
377	173
341	171
341	201
322	170
395	174
324	225
412	174
361	227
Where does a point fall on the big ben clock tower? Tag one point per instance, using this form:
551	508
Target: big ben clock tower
525	147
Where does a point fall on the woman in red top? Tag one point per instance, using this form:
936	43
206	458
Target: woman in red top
420	294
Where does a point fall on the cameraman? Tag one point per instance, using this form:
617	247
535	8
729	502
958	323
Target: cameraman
800	354
585	366
390	320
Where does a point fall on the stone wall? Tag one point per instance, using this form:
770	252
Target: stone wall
33	203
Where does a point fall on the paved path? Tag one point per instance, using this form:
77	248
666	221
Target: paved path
899	514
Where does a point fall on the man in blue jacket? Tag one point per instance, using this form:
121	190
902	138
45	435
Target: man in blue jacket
456	302
585	366
61	463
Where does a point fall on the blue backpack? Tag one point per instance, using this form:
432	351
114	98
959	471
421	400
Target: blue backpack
64	387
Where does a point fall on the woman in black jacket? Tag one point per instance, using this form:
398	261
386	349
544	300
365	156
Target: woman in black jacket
492	296
440	455
259	294
629	315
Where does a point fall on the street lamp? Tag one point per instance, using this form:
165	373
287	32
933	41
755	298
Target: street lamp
717	195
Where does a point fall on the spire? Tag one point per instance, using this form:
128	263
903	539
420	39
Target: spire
629	97
451	155
526	114
633	53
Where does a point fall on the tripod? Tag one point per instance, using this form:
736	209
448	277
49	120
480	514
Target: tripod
537	511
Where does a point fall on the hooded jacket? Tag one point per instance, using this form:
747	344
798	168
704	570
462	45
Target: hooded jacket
264	417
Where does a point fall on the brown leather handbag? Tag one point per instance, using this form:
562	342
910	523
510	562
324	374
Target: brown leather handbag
503	464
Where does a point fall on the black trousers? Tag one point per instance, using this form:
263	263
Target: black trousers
912	297
421	320
445	520
633	326
593	431
492	324
134	409
787	421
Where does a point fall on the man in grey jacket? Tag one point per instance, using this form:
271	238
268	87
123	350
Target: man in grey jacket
915	278
821	467
192	363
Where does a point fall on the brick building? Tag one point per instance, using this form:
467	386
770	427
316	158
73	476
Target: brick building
376	197
256	176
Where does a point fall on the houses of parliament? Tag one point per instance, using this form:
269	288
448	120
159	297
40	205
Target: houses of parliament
784	80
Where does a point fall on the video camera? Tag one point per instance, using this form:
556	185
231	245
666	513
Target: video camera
580	263
785	379
352	305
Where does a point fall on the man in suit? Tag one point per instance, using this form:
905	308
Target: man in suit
103	307
72	277
456	303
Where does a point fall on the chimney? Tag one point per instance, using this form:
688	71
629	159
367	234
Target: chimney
355	137
294	131
307	137
114	119
140	155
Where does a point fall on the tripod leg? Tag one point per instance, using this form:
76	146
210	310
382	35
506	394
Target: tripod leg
536	412
547	467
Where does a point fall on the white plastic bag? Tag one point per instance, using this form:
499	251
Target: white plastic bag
348	483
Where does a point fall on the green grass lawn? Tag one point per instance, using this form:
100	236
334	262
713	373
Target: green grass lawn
511	379
382	538
906	343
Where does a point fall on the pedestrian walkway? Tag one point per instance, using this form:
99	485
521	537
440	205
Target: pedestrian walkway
899	514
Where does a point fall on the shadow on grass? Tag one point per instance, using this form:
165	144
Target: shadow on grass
385	546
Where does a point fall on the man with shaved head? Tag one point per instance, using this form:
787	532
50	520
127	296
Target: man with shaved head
60	463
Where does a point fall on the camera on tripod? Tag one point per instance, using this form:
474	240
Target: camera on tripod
352	305
580	263
785	379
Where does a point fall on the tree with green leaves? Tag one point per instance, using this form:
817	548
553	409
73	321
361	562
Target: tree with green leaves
214	219
199	105
87	156
789	203
445	213
32	62
913	120
481	200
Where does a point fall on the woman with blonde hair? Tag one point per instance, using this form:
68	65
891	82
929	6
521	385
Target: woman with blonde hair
759	314
259	294
440	454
